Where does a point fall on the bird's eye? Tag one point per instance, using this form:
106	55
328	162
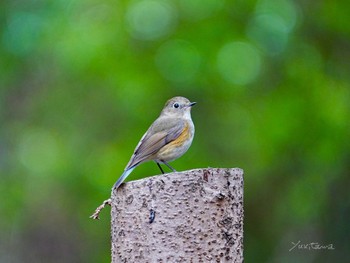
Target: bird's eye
176	105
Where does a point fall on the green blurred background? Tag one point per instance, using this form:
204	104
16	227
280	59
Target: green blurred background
81	81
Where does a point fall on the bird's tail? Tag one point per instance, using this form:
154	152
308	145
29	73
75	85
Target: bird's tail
123	177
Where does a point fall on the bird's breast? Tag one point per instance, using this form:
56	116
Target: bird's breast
179	146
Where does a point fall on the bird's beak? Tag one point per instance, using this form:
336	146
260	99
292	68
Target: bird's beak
191	104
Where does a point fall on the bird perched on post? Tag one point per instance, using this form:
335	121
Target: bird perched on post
167	139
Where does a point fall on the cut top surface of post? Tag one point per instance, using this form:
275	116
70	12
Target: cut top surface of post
190	216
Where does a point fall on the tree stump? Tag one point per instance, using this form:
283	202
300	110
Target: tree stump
190	216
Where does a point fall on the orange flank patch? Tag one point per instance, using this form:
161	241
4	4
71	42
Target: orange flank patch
185	134
171	150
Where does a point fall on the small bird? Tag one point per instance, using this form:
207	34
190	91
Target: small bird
167	139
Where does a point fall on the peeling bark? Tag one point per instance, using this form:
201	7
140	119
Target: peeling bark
190	216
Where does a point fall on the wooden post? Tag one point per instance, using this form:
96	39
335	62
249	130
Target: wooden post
190	216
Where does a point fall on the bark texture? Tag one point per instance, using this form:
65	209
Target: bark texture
197	216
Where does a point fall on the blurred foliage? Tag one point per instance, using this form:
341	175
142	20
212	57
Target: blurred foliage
81	81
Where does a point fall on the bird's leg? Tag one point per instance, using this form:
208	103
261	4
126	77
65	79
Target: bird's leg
171	168
160	167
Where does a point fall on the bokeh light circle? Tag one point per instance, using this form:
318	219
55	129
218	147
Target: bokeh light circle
150	20
38	151
178	60
272	24
269	32
239	62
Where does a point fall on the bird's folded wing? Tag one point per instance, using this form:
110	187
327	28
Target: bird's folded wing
151	144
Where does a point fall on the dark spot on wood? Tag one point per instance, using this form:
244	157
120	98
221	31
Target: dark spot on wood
152	216
129	199
206	174
220	196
